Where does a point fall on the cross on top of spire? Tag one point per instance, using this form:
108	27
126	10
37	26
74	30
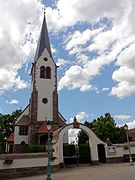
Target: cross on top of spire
44	9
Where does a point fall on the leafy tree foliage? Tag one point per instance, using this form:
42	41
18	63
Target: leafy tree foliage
104	127
7	123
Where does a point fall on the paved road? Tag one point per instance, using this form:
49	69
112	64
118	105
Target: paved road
100	172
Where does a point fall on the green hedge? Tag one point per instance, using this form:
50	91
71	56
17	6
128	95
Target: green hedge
35	148
68	149
84	153
2	147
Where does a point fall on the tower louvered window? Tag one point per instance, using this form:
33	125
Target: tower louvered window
42	72
48	72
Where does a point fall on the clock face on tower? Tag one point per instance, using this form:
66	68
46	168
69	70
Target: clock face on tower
44	100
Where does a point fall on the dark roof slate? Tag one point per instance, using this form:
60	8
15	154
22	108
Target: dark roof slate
43	41
24	121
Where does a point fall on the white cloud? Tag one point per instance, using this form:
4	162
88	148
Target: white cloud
131	125
53	49
122	117
127	57
102	41
9	79
19	25
111	49
123	89
82	116
105	89
62	62
18	41
82	11
13	101
79	77
72	135
74	78
125	75
79	38
113	44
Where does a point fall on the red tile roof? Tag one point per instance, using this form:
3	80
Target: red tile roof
10	138
43	128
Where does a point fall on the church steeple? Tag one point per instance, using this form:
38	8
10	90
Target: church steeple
43	41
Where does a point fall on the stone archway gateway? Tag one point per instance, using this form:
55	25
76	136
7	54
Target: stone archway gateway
94	141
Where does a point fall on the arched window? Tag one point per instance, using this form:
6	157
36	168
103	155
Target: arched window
48	72
42	72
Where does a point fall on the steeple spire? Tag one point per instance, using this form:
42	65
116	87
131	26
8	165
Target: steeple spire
43	41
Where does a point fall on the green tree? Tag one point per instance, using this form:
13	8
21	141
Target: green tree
104	127
7	122
119	135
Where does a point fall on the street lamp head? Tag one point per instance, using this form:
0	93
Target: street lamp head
48	125
126	127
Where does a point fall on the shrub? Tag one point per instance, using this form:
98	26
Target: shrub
84	153
2	147
35	148
68	149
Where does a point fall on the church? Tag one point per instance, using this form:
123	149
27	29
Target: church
31	126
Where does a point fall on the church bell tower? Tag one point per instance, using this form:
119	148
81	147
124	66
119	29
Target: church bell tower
30	127
44	97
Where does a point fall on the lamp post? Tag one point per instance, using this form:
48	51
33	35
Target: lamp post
77	151
130	156
49	152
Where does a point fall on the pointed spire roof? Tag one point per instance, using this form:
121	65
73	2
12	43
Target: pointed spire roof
43	41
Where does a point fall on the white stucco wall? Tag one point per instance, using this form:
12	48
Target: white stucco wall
65	138
19	138
45	88
120	150
93	141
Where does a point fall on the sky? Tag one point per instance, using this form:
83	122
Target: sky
93	43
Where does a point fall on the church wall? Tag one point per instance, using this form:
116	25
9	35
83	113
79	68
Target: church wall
19	138
45	88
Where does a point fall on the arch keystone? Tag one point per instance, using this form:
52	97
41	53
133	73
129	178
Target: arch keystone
75	123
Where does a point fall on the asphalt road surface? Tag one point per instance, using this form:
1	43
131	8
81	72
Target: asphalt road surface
123	171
